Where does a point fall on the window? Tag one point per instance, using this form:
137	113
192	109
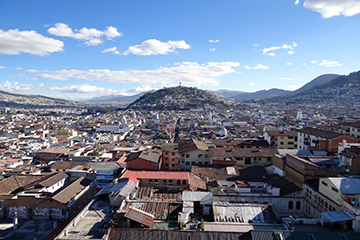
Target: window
298	205
187	156
200	156
268	159
173	154
324	183
281	143
187	163
193	163
172	165
173	159
291	205
166	159
164	181
178	182
247	161
166	164
334	189
206	155
184	182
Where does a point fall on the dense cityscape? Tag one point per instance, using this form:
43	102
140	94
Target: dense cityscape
238	171
180	120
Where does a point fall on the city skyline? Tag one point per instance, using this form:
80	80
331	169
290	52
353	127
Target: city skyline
78	50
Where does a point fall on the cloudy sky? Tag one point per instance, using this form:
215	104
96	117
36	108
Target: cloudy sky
82	49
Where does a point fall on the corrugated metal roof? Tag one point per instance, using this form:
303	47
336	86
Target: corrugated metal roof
203	197
346	185
140	216
337	216
243	212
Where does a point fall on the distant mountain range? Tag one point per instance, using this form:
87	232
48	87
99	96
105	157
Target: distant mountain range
327	88
24	101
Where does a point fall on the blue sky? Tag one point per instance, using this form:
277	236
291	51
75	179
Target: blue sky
82	49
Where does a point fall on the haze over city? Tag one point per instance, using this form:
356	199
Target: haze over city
82	49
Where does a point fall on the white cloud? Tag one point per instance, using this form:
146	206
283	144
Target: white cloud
212	49
330	8
141	89
14	42
2	67
16	87
155	47
328	63
113	50
90	36
255	45
18	68
252	83
32	71
297	2
289	63
214	41
291	52
285	78
269	51
313	61
303	64
85	88
189	73
259	66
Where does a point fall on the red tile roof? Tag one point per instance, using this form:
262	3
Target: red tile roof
156	175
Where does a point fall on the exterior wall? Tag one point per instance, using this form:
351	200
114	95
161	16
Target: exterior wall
254	161
81	199
298	171
194	158
54	187
316	202
314	143
47	156
327	188
282	141
140	164
171	161
162	183
49	210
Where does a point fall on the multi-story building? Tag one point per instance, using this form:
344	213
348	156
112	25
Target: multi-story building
171	157
193	152
282	139
336	198
320	140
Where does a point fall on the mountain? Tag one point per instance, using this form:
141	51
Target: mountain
32	101
178	98
260	94
318	81
226	94
342	90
